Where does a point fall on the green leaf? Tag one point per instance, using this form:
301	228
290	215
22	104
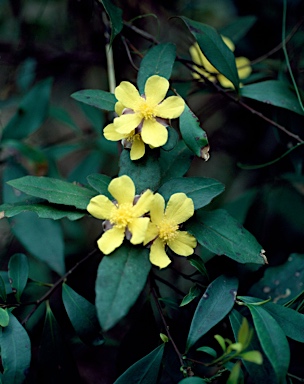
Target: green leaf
100	183
238	28
82	315
15	352
216	303
214	48
200	189
175	163
144	172
42	238
89	163
144	371
172	139
208	350
31	112
96	98
2	289
192	380
273	92
18	270
194	292
115	15
253	357
63	116
4	317
272	339
54	191
44	210
158	61
223	235
194	136
291	321
234	374
121	277
198	263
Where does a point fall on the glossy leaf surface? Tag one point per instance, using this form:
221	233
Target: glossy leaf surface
96	98
18	270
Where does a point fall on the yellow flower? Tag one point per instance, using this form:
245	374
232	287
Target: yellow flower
147	114
123	216
164	231
211	73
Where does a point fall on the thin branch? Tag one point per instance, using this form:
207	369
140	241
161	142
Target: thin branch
173	287
125	43
55	286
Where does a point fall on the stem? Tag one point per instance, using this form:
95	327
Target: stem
55	286
173	287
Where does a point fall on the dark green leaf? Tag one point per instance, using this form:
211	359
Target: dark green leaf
272	339
89	163
42	238
238	28
63	116
192	380
144	371
215	304
53	190
4	317
273	92
82	315
200	189
208	350
172	139
194	292
215	50
223	235
198	263
43	210
2	289
158	61
31	112
175	163
121	277
96	98
115	15
194	136
100	183
145	172
15	352
18	270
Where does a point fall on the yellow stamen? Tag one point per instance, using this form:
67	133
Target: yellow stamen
167	230
145	110
122	216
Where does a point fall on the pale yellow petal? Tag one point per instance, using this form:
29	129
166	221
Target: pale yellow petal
224	81
127	94
100	207
122	189
229	43
183	243
151	233
196	54
179	208
127	123
111	134
154	133
170	108
111	239
143	204
119	107
137	149
243	67
157	208
158	255
156	89
138	228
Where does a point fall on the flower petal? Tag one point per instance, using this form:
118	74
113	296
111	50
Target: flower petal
183	244
127	123
179	208
243	67
224	81
170	108
154	133
100	207
122	189
156	89
157	208
127	94
143	204
229	43
158	255
137	149
111	134
138	228
119	107
151	233
111	239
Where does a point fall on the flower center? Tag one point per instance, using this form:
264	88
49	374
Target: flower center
167	230
122	216
145	110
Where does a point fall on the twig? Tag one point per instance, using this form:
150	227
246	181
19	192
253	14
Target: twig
169	285
55	286
125	43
